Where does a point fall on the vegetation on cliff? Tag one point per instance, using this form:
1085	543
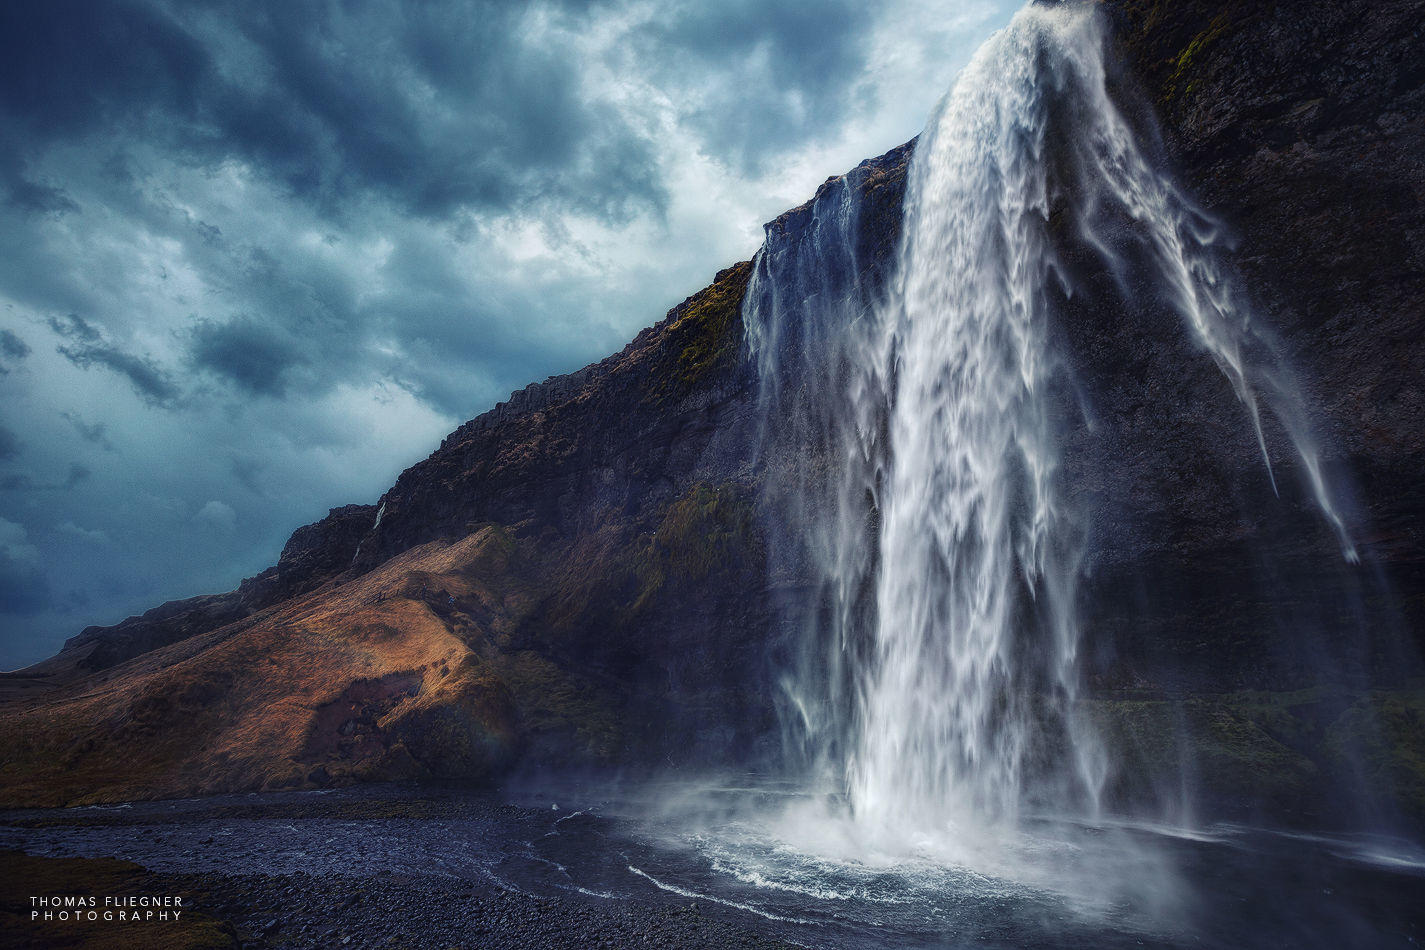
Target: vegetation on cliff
703	337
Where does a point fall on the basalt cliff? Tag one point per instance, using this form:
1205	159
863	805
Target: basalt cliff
584	576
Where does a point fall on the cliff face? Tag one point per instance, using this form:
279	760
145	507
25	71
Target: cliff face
581	575
1300	127
1220	615
577	576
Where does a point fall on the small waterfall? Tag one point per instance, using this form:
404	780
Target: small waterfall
810	319
914	433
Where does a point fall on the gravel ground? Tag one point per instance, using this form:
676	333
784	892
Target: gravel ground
396	911
238	860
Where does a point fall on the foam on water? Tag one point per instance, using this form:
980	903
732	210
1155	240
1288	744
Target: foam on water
684	892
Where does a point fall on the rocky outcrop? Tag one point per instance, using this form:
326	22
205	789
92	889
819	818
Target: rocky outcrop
1300	127
1228	636
314	554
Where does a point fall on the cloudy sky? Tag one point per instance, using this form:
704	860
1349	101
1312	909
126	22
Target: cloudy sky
256	258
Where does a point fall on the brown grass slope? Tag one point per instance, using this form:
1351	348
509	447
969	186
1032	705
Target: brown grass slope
468	642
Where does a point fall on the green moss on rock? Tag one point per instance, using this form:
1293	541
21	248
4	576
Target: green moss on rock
1294	751
1383	736
705	530
1172	43
560	713
1181	81
704	334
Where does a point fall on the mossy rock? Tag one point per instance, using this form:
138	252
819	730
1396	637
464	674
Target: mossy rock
1219	748
705	334
561	713
709	529
1182	80
1382	738
1298	753
1235	751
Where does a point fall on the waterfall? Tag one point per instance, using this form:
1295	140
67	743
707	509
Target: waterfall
915	424
973	519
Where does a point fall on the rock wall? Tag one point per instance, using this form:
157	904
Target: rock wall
1229	642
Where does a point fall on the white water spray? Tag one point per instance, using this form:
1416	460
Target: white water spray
972	514
945	545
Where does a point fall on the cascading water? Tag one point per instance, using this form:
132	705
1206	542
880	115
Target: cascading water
915	431
972	517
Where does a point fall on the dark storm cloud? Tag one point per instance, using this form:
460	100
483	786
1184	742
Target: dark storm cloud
12	349
12	346
435	107
256	358
9	445
353	84
357	111
74	327
94	433
307	332
31	197
89	348
785	72
438	110
147	379
69	65
300	329
24	588
151	383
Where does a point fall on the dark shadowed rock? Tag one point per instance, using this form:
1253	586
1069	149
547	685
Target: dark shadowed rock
314	554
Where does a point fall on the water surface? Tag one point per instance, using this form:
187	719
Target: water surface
780	861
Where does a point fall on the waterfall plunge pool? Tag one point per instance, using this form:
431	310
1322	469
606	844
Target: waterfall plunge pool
779	861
